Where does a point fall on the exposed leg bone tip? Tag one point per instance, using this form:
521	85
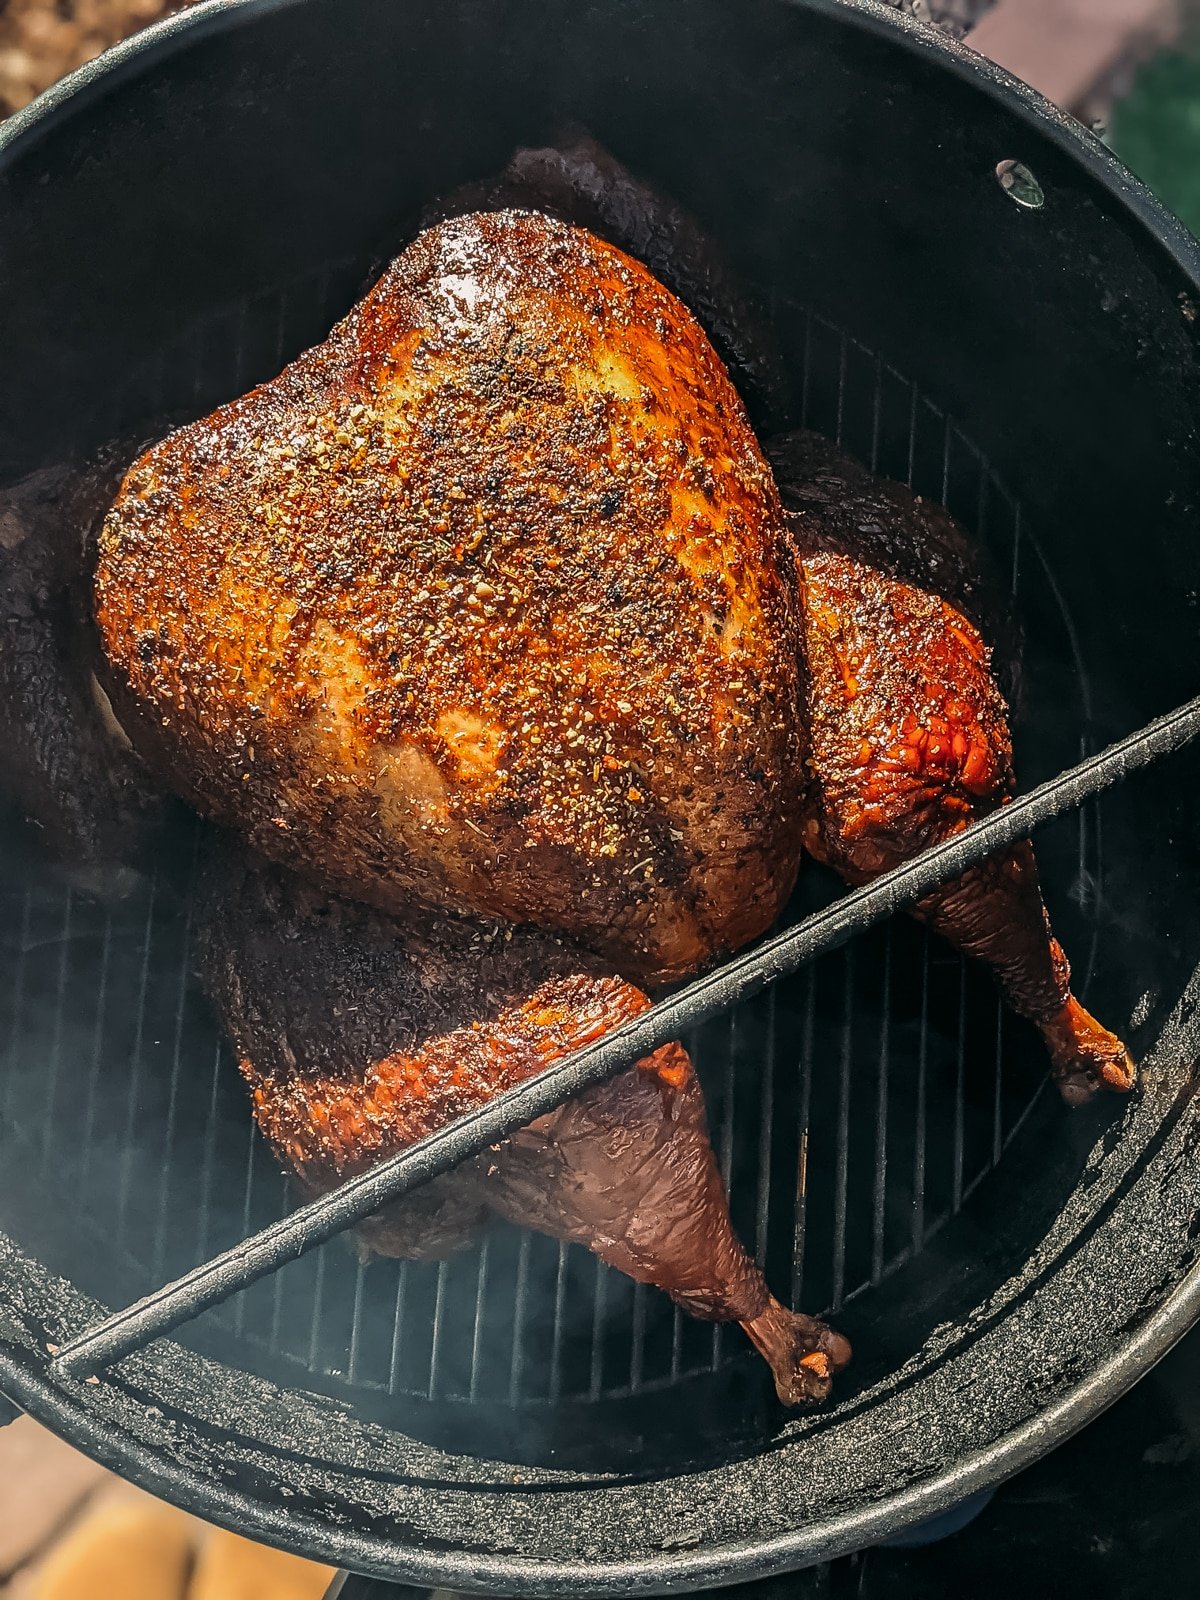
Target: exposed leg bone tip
808	1384
1081	1081
1086	1056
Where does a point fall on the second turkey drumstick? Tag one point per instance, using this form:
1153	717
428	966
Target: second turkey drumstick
909	735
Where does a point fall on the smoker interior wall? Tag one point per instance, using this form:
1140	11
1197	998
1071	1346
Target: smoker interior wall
840	170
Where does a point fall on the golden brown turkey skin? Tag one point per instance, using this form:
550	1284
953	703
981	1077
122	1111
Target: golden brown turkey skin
359	1034
909	735
579	181
486	600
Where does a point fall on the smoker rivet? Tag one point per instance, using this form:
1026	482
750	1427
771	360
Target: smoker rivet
1020	185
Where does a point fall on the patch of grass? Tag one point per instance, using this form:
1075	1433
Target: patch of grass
1156	130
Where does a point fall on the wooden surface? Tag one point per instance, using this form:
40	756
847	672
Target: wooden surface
69	1530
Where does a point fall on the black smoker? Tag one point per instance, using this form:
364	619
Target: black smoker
182	218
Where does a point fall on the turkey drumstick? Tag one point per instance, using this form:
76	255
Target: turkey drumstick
359	1034
909	736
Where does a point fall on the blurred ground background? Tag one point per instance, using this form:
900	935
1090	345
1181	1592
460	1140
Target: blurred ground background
1156	127
68	1529
40	40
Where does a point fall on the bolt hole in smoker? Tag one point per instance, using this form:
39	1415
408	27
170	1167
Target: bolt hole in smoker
519	1418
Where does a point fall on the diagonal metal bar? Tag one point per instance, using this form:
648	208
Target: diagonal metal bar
132	1329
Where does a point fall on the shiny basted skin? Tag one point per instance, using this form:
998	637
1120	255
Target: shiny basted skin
580	182
359	1035
486	600
909	735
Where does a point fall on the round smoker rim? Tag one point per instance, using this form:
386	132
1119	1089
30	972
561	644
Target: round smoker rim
676	1568
171	34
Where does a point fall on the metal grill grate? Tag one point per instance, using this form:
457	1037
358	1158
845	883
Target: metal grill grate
854	1107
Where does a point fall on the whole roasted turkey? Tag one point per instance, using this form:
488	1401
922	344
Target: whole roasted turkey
485	622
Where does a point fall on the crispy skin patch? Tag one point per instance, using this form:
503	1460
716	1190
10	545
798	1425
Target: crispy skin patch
579	181
909	730
487	599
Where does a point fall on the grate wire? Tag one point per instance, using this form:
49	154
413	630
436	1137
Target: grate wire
845	1103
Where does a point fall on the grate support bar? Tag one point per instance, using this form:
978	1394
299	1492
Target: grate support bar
215	1281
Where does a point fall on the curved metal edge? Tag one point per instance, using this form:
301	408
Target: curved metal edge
1032	107
162	39
671	1571
121	61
